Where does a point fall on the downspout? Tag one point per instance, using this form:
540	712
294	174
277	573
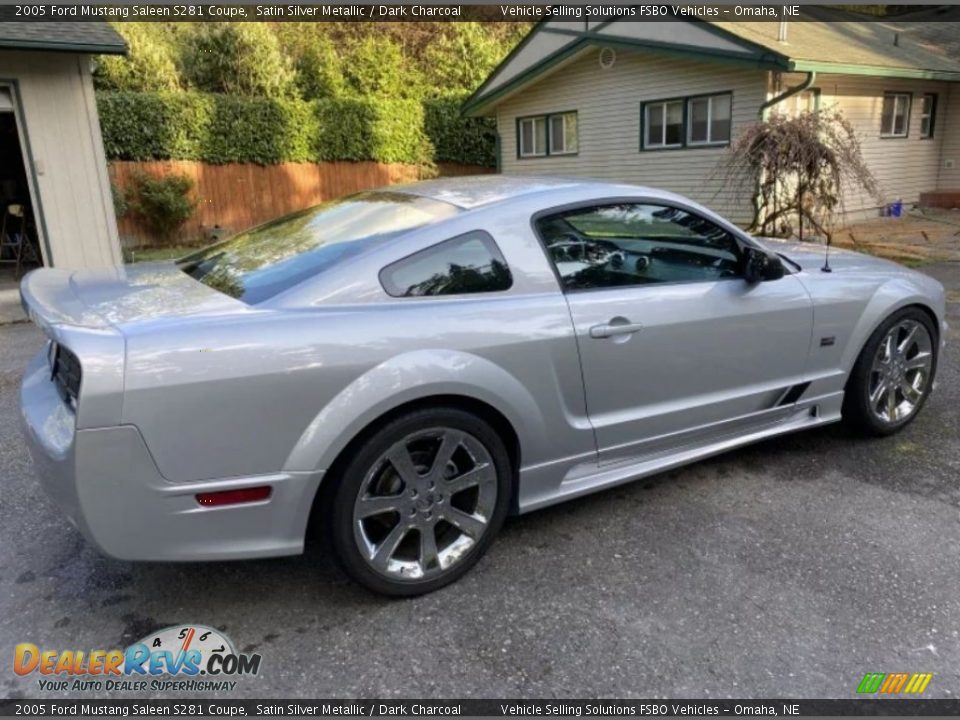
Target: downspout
788	93
762	116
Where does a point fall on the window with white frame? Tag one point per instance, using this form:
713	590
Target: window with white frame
542	135
663	124
563	133
532	133
709	119
928	114
895	115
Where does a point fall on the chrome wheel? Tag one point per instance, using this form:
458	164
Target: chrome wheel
425	503
900	372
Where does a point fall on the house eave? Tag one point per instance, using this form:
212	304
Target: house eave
873	71
44	46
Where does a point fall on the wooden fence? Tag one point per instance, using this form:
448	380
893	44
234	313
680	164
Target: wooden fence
238	196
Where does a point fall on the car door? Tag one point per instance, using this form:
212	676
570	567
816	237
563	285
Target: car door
676	347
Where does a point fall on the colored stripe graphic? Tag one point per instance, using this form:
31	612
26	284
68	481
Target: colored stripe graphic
894	683
918	683
871	683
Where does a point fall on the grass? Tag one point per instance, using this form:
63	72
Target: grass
157	254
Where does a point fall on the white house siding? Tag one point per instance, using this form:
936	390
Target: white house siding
69	174
949	174
608	105
903	167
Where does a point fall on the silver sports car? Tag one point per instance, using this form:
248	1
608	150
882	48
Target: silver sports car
405	367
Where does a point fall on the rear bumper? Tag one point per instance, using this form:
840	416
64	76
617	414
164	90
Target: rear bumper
108	485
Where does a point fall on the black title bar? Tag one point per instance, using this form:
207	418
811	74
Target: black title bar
410	11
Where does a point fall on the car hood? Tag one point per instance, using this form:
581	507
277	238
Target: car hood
119	296
810	256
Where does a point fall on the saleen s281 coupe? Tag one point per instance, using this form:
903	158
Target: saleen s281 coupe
408	366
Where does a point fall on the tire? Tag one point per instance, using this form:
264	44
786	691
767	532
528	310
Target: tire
867	408
392	496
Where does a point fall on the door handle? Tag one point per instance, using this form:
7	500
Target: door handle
615	328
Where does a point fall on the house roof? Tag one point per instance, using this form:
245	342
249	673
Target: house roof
86	37
922	44
926	42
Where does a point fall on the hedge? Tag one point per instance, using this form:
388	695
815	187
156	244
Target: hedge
456	138
220	129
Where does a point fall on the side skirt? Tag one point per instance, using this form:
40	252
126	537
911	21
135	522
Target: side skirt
582	478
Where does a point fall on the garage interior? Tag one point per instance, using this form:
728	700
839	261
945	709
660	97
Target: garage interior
19	245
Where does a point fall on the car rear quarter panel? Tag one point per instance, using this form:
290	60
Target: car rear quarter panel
287	387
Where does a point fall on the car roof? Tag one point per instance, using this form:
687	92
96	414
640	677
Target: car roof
473	191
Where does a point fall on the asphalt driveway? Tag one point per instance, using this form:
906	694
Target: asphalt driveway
788	569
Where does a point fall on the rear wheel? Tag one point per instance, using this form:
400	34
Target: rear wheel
894	374
420	501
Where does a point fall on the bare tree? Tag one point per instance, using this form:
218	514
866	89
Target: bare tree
797	169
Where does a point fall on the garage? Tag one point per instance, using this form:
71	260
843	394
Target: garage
56	208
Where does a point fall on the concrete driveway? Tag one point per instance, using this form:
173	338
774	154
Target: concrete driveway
788	569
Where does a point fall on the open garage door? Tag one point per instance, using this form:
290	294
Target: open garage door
19	242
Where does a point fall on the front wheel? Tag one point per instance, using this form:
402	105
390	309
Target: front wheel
894	374
420	501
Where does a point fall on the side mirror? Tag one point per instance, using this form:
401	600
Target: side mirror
760	266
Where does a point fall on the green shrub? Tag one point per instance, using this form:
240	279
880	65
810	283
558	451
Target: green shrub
462	56
456	138
318	70
225	128
149	65
121	202
376	67
238	59
164	203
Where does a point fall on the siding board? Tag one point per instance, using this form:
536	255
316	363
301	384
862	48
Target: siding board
949	177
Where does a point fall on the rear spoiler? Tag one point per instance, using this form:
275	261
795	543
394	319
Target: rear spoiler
49	301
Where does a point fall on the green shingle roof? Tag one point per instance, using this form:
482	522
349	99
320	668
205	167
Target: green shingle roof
88	37
920	44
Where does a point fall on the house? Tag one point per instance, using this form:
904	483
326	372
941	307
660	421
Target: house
54	185
657	103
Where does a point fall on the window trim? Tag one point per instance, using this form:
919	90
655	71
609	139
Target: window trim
686	143
644	106
487	239
546	144
909	113
743	240
708	143
932	115
546	150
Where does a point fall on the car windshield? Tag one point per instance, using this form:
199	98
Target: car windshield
263	262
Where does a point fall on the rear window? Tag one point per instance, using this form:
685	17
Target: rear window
256	265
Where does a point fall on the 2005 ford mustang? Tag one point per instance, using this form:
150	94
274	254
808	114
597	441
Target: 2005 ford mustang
408	366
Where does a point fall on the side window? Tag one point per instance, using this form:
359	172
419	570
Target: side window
928	114
470	263
636	244
895	115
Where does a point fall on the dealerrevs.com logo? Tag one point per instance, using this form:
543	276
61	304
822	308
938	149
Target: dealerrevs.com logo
179	657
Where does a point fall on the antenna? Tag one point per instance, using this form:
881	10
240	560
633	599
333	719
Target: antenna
826	258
